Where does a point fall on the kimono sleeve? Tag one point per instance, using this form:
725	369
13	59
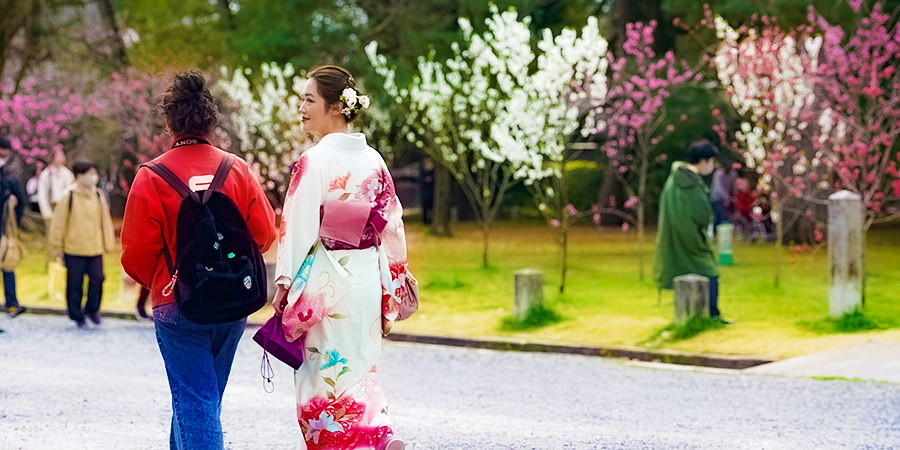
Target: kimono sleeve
392	253
299	221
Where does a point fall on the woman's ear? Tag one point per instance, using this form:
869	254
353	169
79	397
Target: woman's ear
335	108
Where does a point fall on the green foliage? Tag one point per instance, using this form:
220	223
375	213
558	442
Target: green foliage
854	322
537	317
675	333
445	282
584	177
174	33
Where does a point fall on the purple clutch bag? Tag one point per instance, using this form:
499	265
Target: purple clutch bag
271	338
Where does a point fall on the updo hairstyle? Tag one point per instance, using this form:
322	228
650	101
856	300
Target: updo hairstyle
331	81
188	105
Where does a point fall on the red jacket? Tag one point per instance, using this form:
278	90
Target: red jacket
151	212
743	202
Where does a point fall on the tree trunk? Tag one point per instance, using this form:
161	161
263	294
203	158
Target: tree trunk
565	258
440	222
642	190
109	16
610	187
227	16
779	239
485	231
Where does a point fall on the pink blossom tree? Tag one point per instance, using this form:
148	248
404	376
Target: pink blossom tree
820	109
768	77
632	119
135	130
43	116
860	118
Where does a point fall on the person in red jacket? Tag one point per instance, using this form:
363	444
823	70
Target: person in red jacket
198	357
744	201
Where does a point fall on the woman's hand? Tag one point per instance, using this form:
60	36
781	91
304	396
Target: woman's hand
280	300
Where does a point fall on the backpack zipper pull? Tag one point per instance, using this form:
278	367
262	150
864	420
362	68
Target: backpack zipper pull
167	290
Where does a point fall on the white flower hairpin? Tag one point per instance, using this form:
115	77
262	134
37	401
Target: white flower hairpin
353	102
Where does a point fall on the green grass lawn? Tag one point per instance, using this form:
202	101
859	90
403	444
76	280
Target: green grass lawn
604	303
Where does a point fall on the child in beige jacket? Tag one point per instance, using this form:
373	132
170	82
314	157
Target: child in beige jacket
81	232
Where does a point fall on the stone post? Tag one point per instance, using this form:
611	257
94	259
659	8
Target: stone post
529	292
725	241
691	297
845	253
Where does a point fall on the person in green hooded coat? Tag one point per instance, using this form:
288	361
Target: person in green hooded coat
683	243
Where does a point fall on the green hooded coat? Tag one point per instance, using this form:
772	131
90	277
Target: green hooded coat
683	245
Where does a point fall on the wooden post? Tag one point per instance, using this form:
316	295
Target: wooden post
845	253
691	297
529	292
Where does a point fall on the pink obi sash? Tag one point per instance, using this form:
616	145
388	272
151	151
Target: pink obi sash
349	225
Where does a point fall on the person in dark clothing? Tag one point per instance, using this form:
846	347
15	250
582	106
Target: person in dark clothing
426	190
683	242
10	191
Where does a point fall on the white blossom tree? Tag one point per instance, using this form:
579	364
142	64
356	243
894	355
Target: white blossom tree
265	120
535	127
450	106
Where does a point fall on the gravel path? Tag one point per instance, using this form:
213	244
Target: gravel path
105	388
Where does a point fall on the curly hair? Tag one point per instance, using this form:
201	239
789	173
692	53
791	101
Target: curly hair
331	81
188	105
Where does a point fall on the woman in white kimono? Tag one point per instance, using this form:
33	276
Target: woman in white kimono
341	196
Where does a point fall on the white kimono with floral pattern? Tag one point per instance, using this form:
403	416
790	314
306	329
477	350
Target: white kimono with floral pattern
340	404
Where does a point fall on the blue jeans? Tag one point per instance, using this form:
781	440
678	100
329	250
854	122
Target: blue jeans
9	289
198	361
720	214
713	296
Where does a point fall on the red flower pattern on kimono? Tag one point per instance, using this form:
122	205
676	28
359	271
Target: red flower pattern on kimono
334	424
394	289
282	230
339	182
388	193
297	174
307	311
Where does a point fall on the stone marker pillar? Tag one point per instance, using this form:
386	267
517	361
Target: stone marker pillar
529	292
845	253
691	297
725	239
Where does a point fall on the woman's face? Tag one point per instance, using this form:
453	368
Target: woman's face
315	114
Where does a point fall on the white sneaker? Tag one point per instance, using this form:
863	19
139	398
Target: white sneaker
391	443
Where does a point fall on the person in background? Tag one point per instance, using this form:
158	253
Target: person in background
31	192
683	243
10	192
52	183
721	191
426	190
744	201
81	232
141	304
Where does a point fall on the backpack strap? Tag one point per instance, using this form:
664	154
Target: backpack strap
169	177
219	178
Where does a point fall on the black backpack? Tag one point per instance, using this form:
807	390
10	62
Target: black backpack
219	274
